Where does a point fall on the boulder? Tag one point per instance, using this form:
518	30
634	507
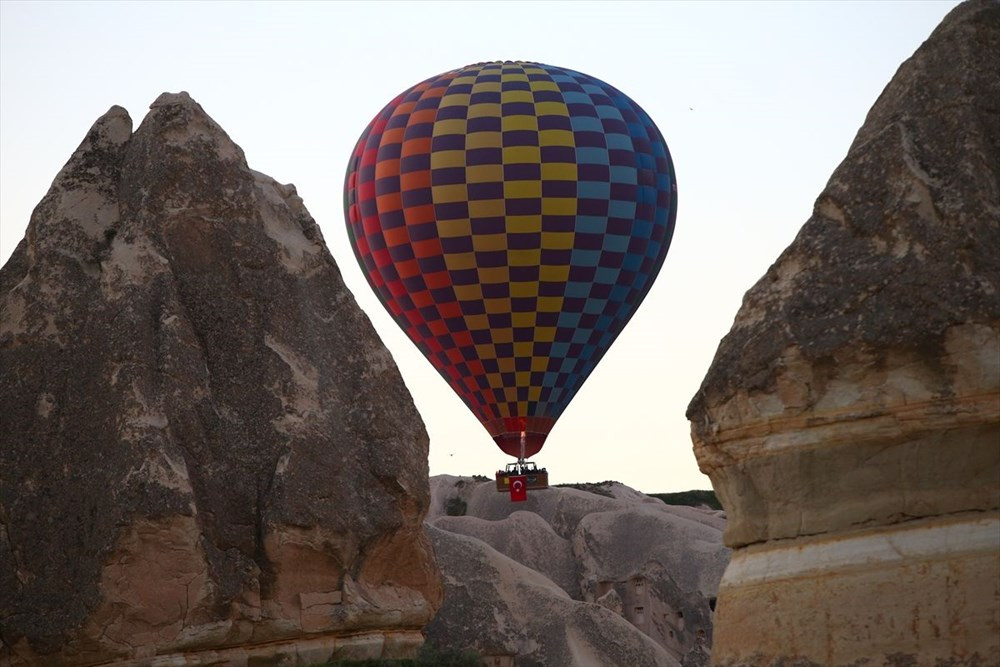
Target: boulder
208	455
513	615
850	420
656	566
526	538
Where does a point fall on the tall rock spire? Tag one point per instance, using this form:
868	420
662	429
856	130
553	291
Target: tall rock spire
206	448
851	418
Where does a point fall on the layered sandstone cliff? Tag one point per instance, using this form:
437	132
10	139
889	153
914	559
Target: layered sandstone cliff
207	453
850	421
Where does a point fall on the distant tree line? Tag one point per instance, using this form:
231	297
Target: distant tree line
694	498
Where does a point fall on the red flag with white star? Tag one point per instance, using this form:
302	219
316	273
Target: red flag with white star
518	488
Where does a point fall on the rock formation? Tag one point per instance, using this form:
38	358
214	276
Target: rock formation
571	577
850	421
207	453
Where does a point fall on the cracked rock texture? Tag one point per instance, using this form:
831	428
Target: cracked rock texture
572	577
850	421
207	453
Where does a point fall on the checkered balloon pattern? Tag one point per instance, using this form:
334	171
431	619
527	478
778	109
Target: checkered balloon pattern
511	216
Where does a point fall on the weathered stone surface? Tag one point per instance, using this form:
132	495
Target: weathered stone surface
850	421
526	538
657	566
505	609
922	592
206	447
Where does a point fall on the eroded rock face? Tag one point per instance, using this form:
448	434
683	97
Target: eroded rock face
655	567
525	614
206	447
850	421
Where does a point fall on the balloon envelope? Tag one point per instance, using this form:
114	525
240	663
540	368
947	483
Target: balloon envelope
511	216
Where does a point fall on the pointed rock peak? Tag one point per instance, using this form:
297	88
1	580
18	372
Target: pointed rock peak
114	127
94	166
109	132
174	99
971	12
176	119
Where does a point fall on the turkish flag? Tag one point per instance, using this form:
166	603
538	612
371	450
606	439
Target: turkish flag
518	488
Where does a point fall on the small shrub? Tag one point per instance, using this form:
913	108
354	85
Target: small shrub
527	662
694	498
372	662
597	488
433	656
429	656
455	507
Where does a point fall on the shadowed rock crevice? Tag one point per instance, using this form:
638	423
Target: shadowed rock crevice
195	400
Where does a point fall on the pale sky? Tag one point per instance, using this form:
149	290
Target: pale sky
758	103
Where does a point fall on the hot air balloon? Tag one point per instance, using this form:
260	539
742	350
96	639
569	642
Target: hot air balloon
511	216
